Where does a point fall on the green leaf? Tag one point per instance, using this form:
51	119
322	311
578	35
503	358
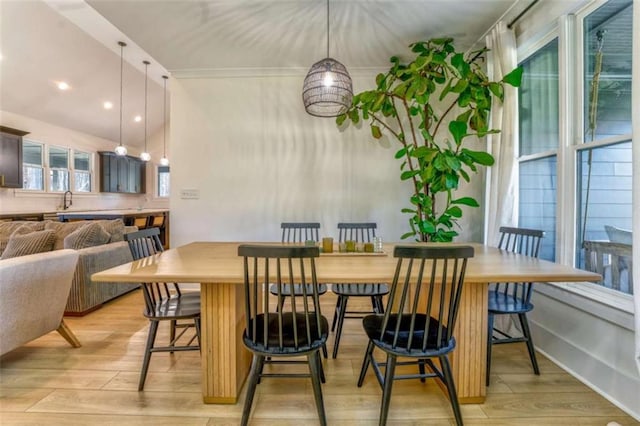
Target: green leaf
401	153
497	90
439	163
514	78
408	174
380	78
453	163
426	227
480	157
464	175
454	211
464	117
378	103
405	210
341	119
375	132
354	116
407	235
451	181
467	201
460	86
460	64
458	130
424	152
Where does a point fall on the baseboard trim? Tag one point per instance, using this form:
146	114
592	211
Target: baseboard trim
579	364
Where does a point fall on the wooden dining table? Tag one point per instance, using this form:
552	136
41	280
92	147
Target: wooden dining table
219	270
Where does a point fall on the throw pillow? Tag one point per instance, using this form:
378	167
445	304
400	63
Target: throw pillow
22	244
115	228
90	235
8	228
62	229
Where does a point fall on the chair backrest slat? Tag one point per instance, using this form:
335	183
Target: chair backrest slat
299	232
425	296
280	265
360	232
522	241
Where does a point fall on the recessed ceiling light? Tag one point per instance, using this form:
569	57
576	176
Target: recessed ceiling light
107	105
137	119
63	85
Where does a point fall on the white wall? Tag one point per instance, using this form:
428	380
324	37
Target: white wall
258	159
18	201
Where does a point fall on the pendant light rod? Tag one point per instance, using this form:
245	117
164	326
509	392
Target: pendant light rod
145	156
120	149
164	161
328	29
146	65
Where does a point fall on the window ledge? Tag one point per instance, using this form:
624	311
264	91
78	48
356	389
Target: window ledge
602	302
26	193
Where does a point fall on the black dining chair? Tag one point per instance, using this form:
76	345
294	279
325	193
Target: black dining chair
419	320
146	242
297	232
513	298
163	302
360	233
275	337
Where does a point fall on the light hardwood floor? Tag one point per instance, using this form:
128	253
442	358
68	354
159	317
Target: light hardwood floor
49	382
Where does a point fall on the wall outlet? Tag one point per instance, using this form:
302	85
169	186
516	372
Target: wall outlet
190	194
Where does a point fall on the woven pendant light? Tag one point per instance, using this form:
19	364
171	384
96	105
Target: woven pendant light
327	90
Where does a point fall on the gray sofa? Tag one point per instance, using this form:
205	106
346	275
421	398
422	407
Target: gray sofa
33	294
86	295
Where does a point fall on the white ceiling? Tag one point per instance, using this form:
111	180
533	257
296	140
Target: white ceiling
42	42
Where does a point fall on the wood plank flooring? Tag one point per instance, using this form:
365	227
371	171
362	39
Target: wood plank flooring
49	382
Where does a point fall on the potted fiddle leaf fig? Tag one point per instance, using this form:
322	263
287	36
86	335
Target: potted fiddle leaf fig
431	105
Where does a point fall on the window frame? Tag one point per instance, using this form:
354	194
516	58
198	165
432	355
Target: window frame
157	176
88	172
42	166
51	169
569	30
46	170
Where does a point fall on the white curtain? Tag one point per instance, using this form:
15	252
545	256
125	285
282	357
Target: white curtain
635	114
502	178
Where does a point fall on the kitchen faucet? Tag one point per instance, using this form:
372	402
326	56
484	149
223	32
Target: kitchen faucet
65	206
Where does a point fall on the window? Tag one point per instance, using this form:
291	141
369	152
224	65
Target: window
603	160
592	158
539	135
32	167
81	171
58	169
164	189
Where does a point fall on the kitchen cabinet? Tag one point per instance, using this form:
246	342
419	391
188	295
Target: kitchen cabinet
11	157
122	174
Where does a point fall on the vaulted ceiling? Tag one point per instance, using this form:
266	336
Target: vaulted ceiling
43	42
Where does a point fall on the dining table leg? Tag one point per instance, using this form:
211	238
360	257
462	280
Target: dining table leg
468	360
225	360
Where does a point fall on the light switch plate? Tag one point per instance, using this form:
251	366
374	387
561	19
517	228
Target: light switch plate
190	194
